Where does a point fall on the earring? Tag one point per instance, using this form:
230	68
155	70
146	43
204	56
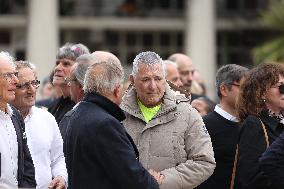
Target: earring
264	100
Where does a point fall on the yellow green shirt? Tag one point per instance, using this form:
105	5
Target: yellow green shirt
148	113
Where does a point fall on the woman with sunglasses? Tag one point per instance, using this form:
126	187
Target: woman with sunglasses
260	107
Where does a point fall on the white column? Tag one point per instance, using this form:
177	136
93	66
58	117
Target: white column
200	40
42	35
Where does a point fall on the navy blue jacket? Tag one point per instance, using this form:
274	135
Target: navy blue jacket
272	162
100	153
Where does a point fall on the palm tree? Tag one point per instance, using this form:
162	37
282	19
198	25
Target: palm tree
272	51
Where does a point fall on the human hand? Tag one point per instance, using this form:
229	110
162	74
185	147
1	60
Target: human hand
57	183
157	175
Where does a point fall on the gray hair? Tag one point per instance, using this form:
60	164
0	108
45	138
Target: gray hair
228	74
25	64
84	61
103	77
7	57
71	51
169	62
149	58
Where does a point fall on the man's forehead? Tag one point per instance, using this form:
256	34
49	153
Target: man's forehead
149	68
6	66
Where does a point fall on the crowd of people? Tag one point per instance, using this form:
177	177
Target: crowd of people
159	130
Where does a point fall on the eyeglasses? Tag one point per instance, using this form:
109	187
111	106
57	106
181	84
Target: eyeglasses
33	83
9	75
281	88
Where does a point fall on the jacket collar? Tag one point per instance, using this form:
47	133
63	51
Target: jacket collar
170	100
106	104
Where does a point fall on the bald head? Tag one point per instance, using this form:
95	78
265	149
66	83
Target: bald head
172	73
185	68
104	56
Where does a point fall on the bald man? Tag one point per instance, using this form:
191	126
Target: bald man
185	67
104	56
172	73
186	70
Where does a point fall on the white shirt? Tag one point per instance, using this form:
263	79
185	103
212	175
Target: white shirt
46	146
8	150
225	114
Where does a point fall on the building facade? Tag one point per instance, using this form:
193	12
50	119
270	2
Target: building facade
213	33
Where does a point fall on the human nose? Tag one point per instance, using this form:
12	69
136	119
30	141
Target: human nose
152	84
190	76
14	79
58	66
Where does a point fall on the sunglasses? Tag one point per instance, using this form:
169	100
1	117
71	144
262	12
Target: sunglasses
281	88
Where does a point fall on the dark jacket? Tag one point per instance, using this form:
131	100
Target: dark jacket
100	153
60	107
252	144
64	128
26	171
272	162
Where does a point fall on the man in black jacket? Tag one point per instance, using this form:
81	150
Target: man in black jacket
65	58
16	165
100	153
223	125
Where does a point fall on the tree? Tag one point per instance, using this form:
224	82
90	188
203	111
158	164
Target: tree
272	51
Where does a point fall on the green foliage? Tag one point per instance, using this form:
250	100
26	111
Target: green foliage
272	51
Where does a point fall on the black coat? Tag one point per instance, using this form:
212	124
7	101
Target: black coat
272	162
252	144
26	170
60	107
100	153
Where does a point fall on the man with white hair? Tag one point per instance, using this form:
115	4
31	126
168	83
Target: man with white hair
16	166
172	73
169	133
43	136
100	153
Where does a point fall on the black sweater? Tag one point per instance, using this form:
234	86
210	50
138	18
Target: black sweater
224	137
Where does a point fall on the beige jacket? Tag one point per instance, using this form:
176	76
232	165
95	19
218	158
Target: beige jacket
174	142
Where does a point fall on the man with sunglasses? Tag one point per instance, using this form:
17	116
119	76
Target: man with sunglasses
16	165
43	136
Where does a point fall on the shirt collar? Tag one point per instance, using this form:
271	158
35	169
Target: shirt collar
31	112
225	114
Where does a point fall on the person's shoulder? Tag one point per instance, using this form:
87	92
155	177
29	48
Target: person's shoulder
251	120
212	116
43	113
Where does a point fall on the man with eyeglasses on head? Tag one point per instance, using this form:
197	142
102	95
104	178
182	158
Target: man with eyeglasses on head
43	136
16	165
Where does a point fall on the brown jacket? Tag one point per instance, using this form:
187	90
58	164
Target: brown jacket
174	142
